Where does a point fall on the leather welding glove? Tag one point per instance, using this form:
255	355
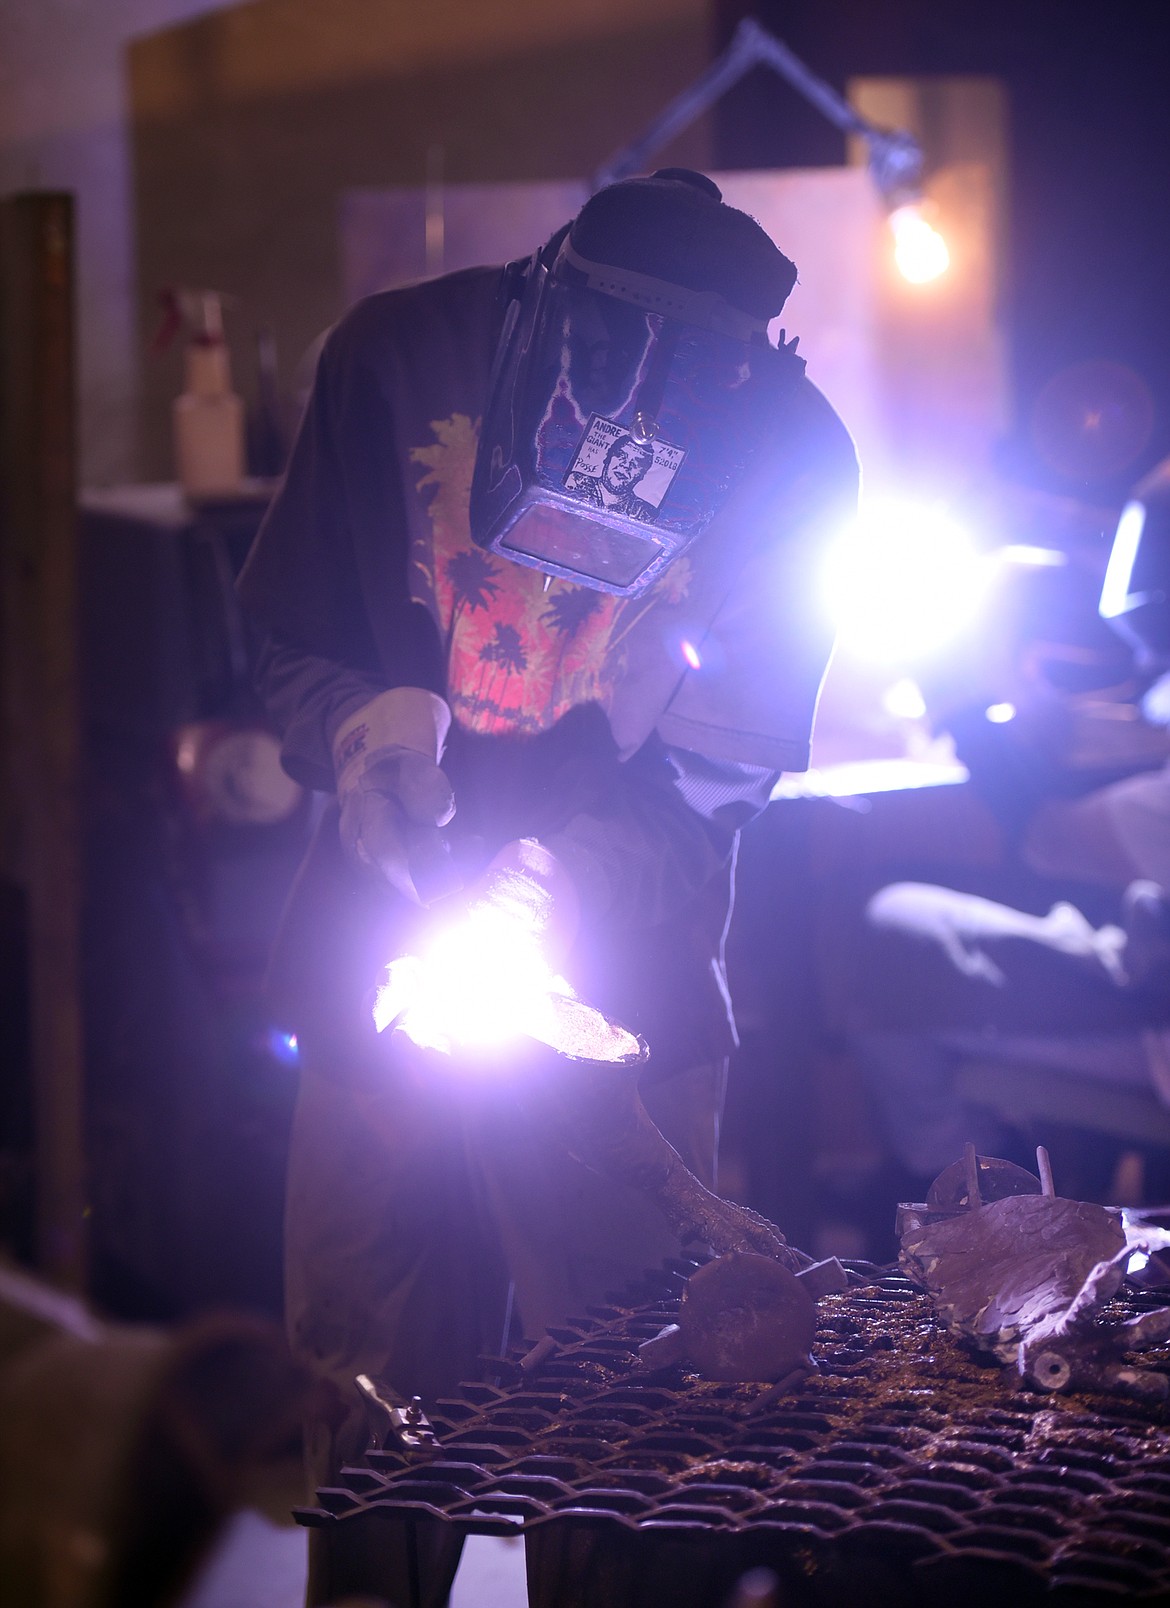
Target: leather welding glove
394	797
527	884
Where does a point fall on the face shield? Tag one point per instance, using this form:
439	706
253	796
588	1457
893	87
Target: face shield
623	413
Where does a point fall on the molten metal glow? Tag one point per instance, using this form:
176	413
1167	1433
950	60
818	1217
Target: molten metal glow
919	250
480	982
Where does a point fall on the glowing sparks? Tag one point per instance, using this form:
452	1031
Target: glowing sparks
480	982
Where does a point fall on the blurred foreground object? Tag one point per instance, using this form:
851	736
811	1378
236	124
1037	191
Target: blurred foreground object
123	1450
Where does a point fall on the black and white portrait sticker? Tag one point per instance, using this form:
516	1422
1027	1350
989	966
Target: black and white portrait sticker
614	471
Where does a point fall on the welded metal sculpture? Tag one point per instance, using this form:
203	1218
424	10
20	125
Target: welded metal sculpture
1024	1274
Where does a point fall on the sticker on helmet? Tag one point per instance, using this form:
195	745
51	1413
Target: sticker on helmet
613	470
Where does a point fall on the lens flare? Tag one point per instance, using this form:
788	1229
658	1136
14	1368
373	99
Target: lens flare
280	1046
920	251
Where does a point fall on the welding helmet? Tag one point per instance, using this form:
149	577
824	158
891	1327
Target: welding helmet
1135	597
633	383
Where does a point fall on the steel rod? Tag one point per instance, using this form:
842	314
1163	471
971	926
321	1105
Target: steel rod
894	156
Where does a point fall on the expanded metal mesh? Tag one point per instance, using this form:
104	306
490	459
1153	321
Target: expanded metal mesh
902	1445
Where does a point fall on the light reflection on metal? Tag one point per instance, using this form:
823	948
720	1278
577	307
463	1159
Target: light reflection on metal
1000	713
394	1425
1115	596
691	654
856	779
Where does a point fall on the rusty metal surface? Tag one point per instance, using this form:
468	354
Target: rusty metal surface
904	1448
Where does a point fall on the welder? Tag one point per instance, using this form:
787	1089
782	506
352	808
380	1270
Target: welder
537	604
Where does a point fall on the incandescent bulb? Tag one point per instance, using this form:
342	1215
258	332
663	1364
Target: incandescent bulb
919	250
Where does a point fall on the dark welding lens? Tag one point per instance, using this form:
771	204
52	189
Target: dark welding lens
575	544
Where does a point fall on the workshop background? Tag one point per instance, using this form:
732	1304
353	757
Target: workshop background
229	148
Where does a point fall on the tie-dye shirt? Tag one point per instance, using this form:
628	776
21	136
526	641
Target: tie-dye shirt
723	657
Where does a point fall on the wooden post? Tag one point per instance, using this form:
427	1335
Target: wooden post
39	814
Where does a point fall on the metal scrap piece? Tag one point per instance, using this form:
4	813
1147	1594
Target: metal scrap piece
1025	1276
745	1316
1004	1269
391	1421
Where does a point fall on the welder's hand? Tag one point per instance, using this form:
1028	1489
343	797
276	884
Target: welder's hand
391	820
393	796
528	887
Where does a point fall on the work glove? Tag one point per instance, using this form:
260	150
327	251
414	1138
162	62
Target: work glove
528	888
490	968
393	796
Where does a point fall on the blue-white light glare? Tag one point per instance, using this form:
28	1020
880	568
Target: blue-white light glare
1144	1241
1115	591
904	700
282	1046
1000	713
904	582
1029	556
480	981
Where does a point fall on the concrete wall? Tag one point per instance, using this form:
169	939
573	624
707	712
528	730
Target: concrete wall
250	124
64	125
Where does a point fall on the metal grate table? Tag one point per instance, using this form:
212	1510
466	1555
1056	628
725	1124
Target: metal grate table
906	1470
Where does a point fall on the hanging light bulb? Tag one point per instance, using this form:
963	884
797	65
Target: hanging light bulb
919	250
